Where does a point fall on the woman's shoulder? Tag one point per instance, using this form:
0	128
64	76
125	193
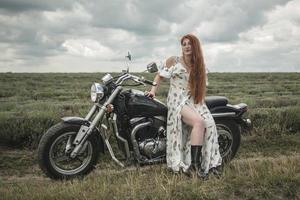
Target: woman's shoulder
172	61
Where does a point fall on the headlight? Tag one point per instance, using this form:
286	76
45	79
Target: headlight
97	92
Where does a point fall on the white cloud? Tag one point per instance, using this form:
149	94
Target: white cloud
236	35
78	14
87	48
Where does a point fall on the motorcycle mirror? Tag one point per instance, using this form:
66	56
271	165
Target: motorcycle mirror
127	63
152	67
128	56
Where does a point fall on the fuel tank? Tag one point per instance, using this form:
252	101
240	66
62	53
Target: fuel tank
138	105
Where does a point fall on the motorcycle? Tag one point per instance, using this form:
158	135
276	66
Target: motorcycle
133	123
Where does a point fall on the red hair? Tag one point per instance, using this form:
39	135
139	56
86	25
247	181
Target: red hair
197	79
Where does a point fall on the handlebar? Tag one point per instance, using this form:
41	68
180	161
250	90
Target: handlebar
137	79
149	82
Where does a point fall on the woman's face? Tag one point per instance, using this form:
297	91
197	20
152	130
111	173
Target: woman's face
186	47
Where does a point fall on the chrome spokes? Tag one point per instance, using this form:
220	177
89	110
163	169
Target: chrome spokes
225	140
60	155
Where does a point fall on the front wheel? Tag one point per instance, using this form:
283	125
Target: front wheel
54	152
229	138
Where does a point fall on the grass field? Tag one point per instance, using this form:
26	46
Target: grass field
266	166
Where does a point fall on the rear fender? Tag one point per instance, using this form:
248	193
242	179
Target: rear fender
231	111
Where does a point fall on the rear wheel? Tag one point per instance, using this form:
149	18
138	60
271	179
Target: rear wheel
54	152
229	138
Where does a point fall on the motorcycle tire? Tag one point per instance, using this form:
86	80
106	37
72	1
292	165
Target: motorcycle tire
50	142
229	138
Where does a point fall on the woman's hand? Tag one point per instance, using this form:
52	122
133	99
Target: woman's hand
150	94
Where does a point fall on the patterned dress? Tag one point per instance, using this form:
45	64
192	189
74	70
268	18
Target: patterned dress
178	133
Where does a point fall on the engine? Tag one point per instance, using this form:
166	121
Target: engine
149	137
153	148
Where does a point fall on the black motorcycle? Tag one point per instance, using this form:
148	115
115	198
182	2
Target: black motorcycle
134	121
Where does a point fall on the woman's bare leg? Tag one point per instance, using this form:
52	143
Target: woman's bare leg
192	118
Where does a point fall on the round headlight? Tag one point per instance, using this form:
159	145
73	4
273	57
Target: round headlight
97	92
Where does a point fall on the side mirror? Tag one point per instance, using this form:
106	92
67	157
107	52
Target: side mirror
128	56
127	63
152	67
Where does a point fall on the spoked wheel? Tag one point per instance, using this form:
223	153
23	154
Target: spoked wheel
225	140
55	148
60	158
229	138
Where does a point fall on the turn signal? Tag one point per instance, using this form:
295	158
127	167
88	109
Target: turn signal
109	108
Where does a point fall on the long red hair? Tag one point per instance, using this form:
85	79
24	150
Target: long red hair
197	79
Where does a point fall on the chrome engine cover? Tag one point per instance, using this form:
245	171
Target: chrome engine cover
153	148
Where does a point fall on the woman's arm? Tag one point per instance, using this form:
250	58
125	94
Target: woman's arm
169	62
157	79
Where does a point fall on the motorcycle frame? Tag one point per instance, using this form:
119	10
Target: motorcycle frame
87	128
106	131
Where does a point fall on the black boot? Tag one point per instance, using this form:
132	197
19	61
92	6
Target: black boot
196	152
195	161
195	157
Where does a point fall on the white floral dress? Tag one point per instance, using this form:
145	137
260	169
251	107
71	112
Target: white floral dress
178	133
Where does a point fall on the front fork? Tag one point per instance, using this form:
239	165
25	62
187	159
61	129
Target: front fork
84	130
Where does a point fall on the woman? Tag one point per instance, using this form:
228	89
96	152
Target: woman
192	139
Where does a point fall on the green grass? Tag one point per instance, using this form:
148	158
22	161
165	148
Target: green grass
248	178
31	103
266	166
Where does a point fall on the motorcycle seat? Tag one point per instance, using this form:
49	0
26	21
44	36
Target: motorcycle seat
214	101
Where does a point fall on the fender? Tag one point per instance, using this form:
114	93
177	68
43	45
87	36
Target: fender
238	109
76	120
81	121
224	111
224	115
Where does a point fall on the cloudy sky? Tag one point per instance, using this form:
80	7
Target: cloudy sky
94	36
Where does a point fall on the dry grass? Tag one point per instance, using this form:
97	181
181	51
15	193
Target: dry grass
266	166
256	178
259	174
